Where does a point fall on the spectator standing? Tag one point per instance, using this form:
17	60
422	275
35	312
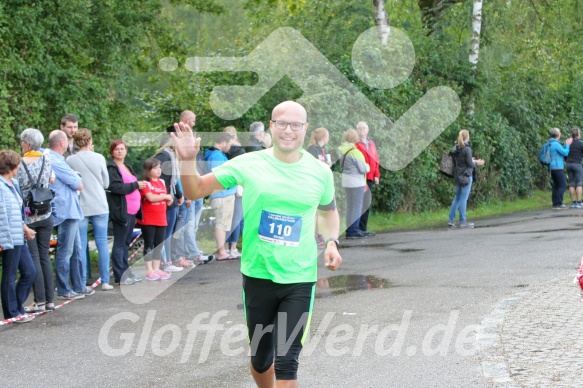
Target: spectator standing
184	244
354	169
13	232
237	222
371	157
154	222
575	169
318	140
316	146
464	164
222	202
171	175
66	213
193	215
43	287
70	125
95	178
557	167
124	201
256	134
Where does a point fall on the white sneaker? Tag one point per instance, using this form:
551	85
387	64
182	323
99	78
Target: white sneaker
106	287
25	318
235	253
173	268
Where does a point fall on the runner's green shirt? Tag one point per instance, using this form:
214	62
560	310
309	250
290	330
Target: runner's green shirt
280	201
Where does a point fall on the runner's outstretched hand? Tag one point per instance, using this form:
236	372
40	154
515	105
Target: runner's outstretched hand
332	258
187	145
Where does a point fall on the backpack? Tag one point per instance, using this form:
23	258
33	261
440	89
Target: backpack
545	154
447	165
39	198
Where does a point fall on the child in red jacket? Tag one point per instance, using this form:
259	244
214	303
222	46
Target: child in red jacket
153	222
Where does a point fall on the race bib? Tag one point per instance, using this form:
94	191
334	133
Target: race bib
280	229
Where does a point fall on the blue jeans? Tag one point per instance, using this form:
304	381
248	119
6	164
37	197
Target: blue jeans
13	294
99	223
171	215
68	258
354	199
192	220
179	232
237	223
460	201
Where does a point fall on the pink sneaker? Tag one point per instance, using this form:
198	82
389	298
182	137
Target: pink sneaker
163	275
152	276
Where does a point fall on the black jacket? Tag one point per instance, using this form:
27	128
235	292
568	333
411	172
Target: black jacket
164	157
116	193
464	164
235	151
317	151
254	144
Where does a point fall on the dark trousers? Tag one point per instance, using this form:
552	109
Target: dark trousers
366	203
153	241
122	238
13	294
559	186
43	287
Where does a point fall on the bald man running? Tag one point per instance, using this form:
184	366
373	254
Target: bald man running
284	187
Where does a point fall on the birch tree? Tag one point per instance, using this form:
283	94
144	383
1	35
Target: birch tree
382	21
475	46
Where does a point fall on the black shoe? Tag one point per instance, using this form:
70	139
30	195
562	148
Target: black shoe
368	234
355	236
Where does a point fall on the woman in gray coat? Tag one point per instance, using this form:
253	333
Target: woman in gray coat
354	169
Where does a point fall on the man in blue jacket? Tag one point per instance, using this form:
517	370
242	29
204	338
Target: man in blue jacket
557	167
67	214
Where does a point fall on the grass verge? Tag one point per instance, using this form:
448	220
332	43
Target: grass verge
390	221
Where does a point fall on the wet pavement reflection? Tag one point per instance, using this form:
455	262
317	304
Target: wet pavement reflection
341	284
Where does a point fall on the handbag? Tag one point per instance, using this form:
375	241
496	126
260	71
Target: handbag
39	198
447	165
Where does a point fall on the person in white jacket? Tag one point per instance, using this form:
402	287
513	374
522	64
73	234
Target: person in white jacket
93	170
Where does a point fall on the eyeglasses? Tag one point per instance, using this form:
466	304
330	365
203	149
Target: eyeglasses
282	125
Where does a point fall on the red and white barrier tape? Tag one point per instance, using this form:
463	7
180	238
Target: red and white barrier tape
20	317
10	320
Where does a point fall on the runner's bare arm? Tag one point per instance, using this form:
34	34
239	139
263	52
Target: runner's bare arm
196	186
187	146
330	228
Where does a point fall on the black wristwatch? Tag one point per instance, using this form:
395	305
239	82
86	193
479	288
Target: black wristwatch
335	241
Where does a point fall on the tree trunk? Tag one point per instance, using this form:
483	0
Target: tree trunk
382	21
431	11
476	29
475	46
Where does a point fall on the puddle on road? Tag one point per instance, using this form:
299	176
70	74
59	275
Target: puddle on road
341	284
548	231
387	246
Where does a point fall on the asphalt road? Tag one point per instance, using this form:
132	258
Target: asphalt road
406	309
